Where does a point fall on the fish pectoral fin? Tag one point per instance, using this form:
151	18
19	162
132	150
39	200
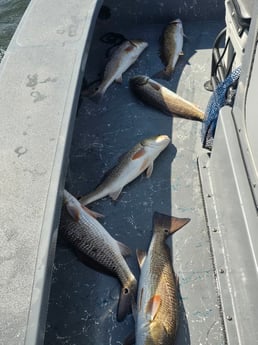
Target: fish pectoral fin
141	256
153	307
114	196
92	213
73	211
138	154
149	170
119	79
125	251
130	339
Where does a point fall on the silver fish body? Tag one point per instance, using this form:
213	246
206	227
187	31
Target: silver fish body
140	158
157	304
122	58
88	236
171	47
160	97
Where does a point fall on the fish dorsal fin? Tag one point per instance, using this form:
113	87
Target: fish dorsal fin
73	211
139	153
154	85
92	213
141	256
125	251
153	307
115	194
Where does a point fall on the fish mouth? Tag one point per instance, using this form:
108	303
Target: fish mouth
159	140
176	21
139	80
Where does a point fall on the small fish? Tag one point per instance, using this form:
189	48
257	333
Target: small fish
122	58
140	158
88	236
156	312
171	48
157	95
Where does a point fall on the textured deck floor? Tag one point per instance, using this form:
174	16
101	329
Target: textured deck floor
83	302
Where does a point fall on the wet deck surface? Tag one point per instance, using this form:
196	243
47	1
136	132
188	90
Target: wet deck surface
83	302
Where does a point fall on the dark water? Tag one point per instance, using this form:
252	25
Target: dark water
11	12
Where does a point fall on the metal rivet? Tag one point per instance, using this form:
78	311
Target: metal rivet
214	229
221	270
229	318
204	167
208	195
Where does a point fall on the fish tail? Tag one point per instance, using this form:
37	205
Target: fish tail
126	300
164	74
170	224
97	96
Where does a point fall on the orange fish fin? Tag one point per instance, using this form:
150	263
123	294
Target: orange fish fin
129	48
73	211
125	251
119	79
92	213
138	154
141	256
170	223
149	170
115	194
153	306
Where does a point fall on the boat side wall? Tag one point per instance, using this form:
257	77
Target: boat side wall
40	80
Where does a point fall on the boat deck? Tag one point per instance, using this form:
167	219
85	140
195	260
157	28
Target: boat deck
83	302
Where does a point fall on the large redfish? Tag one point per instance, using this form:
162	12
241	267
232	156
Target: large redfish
157	304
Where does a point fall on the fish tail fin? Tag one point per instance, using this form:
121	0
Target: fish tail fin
169	224
164	74
126	300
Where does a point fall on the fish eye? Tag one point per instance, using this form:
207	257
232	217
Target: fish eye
126	291
166	231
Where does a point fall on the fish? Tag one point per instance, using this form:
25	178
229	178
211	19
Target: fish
83	231
140	158
156	313
121	59
164	99
171	47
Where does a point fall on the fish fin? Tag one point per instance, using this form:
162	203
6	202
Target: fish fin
153	307
139	153
130	48
126	299
125	251
141	256
181	53
170	223
92	213
115	194
130	339
149	170
164	74
73	211
119	79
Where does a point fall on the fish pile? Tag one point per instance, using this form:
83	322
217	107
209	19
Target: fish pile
153	301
